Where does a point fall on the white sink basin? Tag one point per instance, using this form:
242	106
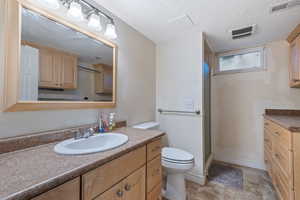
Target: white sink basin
93	144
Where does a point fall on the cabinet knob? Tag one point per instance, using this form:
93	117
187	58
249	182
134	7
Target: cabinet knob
119	193
127	187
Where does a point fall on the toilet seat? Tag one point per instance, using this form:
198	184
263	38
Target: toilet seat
176	161
176	156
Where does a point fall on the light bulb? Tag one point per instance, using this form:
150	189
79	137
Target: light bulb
94	21
53	4
111	31
75	11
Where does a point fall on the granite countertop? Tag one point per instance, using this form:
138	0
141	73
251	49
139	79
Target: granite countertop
29	172
290	122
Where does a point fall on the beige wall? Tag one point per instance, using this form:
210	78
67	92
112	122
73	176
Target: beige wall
179	77
239	101
135	89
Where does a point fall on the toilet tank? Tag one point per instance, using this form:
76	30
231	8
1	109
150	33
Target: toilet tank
147	125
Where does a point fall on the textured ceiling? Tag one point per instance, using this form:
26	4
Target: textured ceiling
162	20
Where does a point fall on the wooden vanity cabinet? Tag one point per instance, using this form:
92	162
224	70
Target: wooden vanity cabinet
67	191
282	159
137	175
294	66
104	177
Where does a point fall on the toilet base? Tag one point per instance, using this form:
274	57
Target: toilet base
175	187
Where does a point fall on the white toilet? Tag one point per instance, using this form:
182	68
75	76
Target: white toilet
176	162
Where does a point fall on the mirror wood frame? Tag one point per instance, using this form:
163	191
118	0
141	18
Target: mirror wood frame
12	44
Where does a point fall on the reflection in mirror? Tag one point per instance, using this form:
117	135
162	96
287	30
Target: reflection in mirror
61	64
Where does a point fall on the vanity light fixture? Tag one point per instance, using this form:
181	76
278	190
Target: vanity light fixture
94	22
52	4
111	31
75	11
78	9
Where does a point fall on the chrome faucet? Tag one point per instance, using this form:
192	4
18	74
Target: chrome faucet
88	133
83	133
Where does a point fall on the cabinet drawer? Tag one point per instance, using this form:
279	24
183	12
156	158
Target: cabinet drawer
281	136
135	185
154	173
153	149
283	159
131	188
67	191
114	193
155	194
102	178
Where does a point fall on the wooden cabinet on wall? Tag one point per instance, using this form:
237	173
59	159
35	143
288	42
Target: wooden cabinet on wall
136	175
57	69
104	79
282	158
294	66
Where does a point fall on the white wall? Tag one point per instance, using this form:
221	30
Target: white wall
179	77
239	101
135	89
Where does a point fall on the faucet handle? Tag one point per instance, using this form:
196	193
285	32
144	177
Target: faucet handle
91	131
77	134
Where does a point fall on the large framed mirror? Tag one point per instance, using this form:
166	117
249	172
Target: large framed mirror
58	65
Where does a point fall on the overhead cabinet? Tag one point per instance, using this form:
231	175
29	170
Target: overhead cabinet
57	69
294	67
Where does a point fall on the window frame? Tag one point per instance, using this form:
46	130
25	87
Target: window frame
239	52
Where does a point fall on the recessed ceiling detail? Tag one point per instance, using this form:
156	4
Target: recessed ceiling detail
183	19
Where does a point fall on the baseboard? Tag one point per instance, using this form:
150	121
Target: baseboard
240	161
196	176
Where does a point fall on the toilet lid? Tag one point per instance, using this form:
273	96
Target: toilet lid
176	155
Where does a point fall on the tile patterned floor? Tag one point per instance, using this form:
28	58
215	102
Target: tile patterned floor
256	186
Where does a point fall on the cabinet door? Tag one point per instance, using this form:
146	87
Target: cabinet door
46	71
67	191
57	69
135	185
154	173
115	193
295	62
69	72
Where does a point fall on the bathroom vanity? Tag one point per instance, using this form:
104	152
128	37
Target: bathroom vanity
130	172
282	152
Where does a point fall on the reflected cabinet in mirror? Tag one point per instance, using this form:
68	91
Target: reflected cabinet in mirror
61	66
